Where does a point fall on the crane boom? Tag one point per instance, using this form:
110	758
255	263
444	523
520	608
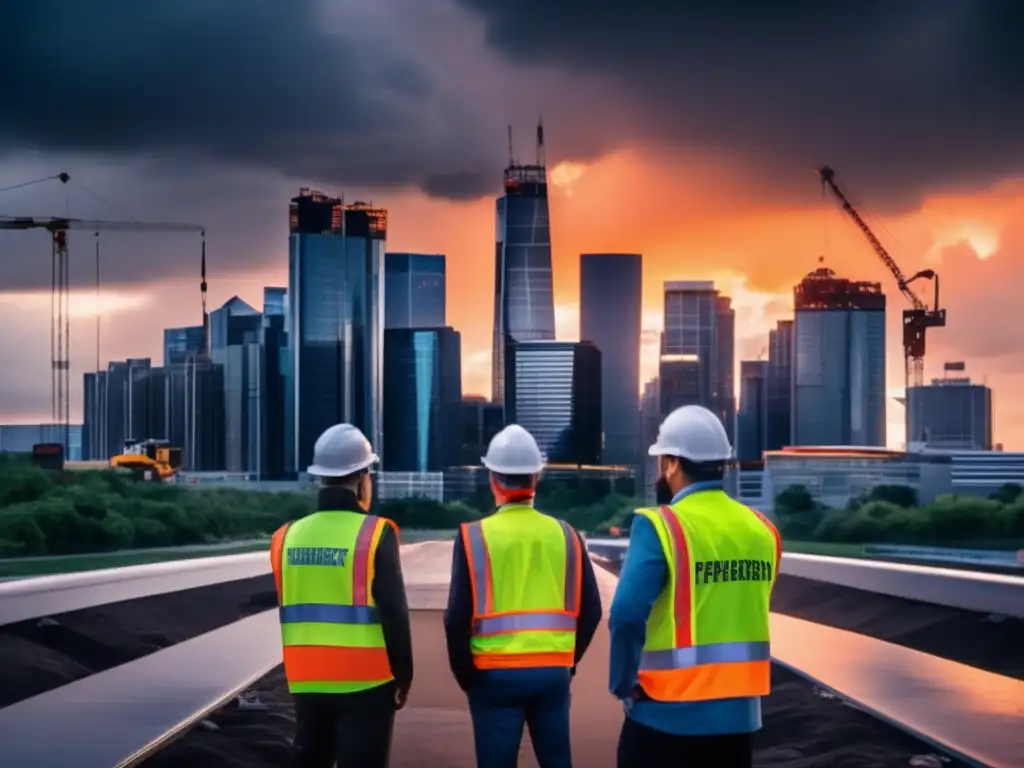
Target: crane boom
920	318
60	327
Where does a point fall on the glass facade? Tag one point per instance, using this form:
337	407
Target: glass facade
19	438
422	399
414	290
611	292
838	362
752	420
553	390
481	421
335	321
950	413
275	301
180	343
698	351
780	385
524	306
195	413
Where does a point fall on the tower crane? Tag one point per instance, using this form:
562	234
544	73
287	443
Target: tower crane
919	318
60	329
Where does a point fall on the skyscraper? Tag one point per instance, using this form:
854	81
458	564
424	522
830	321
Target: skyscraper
414	290
780	385
611	292
275	301
752	420
553	390
524	305
838	361
422	399
336	321
180	343
951	413
697	351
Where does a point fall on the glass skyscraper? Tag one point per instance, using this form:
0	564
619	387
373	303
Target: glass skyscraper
698	351
611	291
524	306
335	321
181	343
553	390
780	385
422	399
752	420
838	362
414	290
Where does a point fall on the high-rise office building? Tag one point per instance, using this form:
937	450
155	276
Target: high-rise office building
697	351
481	421
94	416
422	399
524	305
838	361
553	390
780	385
195	412
611	293
650	421
180	343
336	321
414	290
128	401
752	419
275	301
951	413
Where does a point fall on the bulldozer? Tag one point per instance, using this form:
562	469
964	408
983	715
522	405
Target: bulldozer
154	460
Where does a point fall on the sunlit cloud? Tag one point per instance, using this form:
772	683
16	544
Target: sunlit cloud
565	174
983	240
81	305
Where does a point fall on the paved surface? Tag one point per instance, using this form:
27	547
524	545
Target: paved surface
434	729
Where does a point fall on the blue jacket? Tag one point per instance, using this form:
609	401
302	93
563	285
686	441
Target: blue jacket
644	576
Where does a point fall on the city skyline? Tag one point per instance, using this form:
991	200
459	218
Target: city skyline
702	195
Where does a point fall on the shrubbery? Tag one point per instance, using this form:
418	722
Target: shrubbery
46	513
889	514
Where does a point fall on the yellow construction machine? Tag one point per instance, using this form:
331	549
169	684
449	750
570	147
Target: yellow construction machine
153	459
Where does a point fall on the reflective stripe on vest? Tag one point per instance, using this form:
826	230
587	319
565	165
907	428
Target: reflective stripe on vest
513	637
692	671
331	647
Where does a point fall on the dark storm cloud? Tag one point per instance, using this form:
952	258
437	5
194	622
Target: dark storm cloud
262	83
901	96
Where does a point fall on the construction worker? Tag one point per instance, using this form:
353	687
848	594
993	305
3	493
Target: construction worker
689	623
344	617
522	608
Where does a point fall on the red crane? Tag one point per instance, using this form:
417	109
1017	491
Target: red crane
60	330
919	318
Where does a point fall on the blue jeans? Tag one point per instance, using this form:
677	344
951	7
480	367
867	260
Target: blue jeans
502	701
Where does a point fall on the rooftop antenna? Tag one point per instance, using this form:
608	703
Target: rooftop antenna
541	159
511	162
202	293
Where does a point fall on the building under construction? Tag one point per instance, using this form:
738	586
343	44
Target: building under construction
838	361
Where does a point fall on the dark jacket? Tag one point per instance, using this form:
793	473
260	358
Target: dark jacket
458	618
388	587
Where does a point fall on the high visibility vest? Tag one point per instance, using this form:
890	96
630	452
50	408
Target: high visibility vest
526	569
708	633
331	632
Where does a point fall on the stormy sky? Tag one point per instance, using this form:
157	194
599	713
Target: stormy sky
215	112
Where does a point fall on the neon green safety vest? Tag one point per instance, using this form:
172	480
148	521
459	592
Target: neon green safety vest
331	633
526	572
708	633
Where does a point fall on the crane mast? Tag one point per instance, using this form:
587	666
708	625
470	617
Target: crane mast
60	320
916	320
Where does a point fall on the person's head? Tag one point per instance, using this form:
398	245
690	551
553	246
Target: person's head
692	447
342	457
515	461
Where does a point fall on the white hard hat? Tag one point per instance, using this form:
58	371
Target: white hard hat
692	432
513	451
340	451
